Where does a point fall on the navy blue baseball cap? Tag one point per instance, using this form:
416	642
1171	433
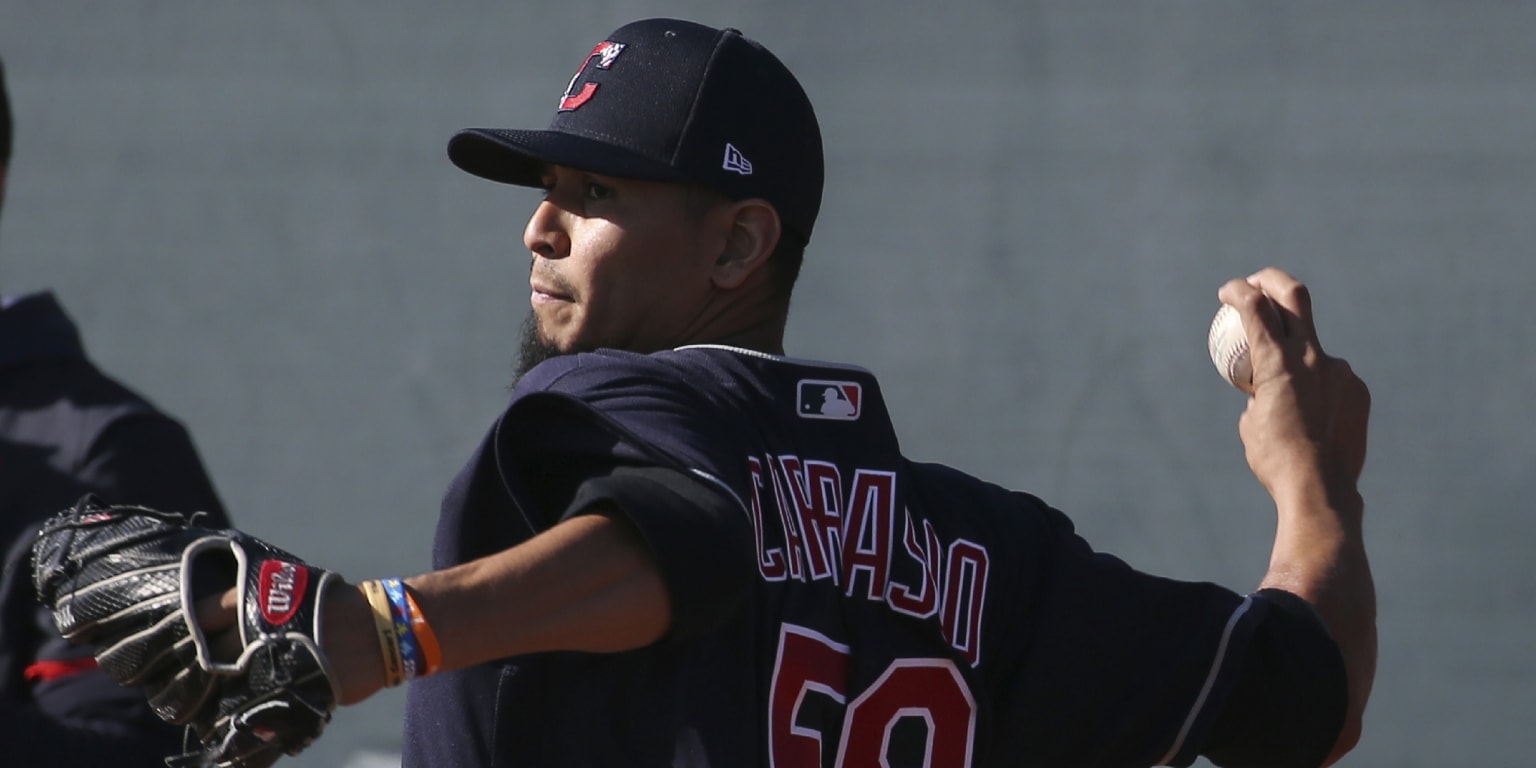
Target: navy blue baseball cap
676	101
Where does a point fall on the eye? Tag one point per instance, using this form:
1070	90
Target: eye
547	178
595	191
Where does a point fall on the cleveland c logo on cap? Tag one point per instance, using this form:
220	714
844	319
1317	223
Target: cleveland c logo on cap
605	52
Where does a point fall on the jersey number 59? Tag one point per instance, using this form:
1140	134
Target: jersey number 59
931	690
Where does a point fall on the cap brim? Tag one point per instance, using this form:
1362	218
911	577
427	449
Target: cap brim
519	157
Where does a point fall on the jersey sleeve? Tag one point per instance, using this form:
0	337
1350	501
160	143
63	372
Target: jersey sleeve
590	432
1289	701
1102	664
691	526
1119	666
1125	668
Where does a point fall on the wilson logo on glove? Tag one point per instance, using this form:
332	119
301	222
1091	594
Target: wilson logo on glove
280	584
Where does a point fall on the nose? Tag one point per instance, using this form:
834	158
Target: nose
545	234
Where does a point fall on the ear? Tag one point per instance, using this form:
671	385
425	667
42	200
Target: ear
754	233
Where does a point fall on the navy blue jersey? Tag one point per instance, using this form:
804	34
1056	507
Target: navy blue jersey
834	603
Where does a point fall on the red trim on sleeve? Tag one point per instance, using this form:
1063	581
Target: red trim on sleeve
52	669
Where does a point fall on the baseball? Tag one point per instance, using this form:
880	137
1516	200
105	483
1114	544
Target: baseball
1228	345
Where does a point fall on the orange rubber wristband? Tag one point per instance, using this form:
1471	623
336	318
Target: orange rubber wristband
424	635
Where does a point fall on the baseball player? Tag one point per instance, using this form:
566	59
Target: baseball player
678	546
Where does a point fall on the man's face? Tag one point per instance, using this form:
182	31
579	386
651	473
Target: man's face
619	263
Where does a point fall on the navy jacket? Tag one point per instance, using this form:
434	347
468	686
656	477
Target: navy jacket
67	429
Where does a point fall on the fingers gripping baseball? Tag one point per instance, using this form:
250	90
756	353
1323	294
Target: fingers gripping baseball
1308	412
1291	300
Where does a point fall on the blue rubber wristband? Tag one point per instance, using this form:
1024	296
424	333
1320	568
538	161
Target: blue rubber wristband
411	656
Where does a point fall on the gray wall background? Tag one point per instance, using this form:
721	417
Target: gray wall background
1029	208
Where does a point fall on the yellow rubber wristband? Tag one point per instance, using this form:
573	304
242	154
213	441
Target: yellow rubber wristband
384	624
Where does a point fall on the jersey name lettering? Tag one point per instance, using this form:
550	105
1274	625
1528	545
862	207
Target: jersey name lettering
809	530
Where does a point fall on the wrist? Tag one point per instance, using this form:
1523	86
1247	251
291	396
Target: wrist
1313	491
350	644
403	643
1343	504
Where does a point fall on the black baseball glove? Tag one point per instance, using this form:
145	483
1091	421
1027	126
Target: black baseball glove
126	580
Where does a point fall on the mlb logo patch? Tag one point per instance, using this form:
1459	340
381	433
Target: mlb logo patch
820	399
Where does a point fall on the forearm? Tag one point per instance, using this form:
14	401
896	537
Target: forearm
588	584
1319	555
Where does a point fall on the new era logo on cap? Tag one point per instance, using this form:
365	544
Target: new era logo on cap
821	399
735	161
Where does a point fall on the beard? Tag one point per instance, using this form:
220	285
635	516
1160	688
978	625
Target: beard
532	349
